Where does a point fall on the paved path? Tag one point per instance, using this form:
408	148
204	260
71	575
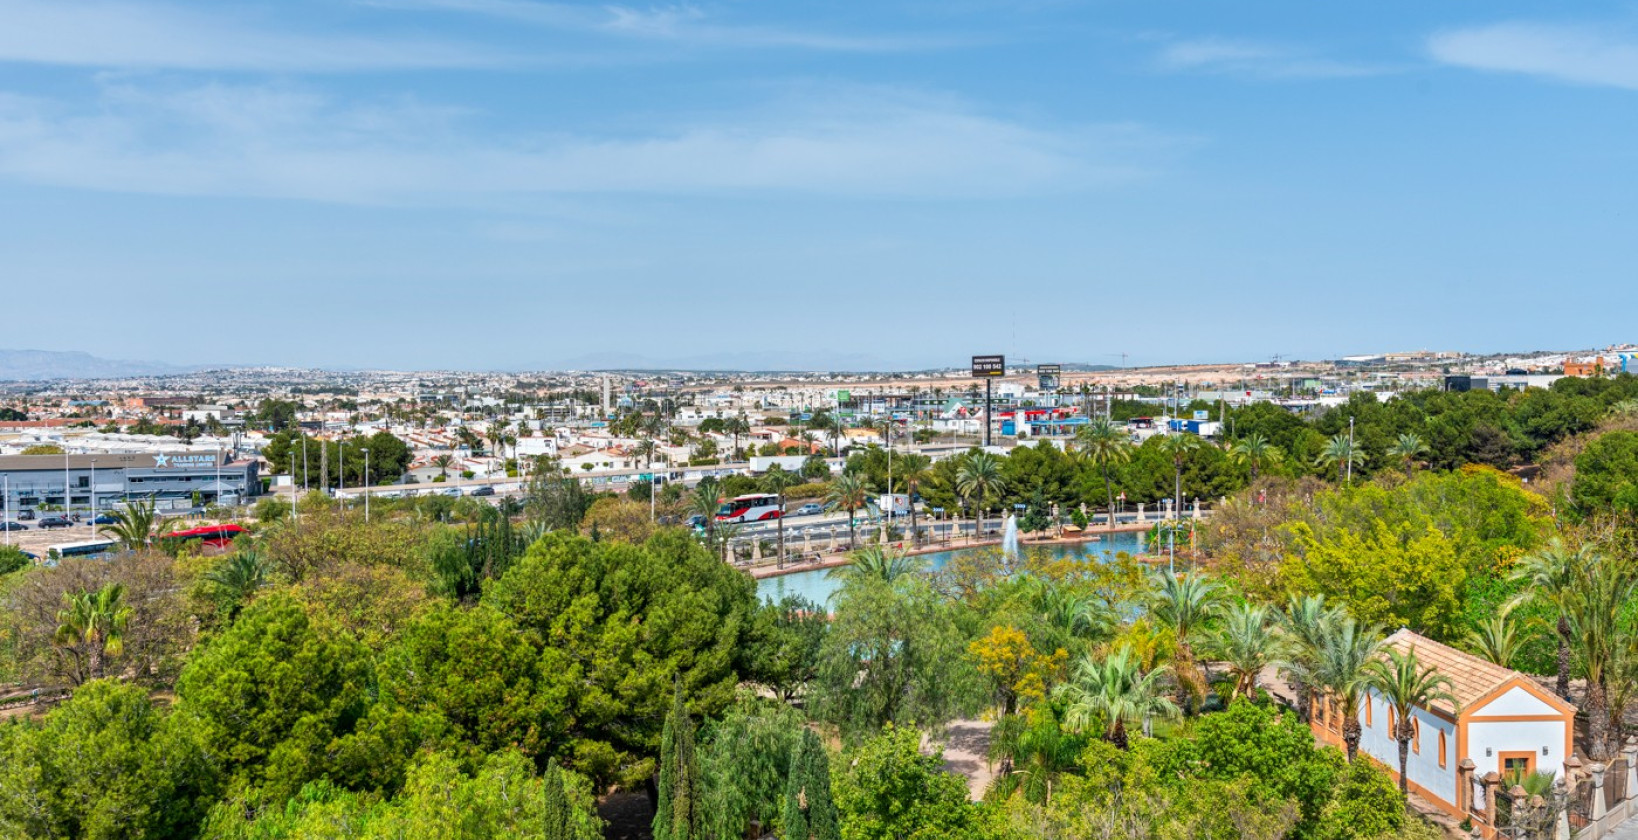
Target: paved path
966	751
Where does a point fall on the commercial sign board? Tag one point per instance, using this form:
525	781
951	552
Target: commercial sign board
189	460
986	367
1047	376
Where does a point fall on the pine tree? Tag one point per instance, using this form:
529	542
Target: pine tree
809	812
558	820
675	816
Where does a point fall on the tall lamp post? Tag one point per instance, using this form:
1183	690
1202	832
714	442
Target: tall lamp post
366	485
93	494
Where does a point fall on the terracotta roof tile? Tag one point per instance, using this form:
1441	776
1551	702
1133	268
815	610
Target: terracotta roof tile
1471	678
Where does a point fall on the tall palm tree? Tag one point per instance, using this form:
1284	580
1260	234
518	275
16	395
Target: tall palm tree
1114	692
1308	622
1255	451
1406	450
1406	686
849	492
979	478
1249	640
1105	444
777	480
443	463
1342	452
736	426
914	469
1185	604
94	621
1042	753
1178	446
1499	637
1550	575
238	577
876	563
1595	606
704	502
136	526
497	437
824	421
1342	669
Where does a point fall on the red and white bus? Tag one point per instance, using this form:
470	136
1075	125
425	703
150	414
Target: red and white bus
210	536
753	507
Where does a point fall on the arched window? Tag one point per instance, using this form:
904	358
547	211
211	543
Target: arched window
1416	735
1441	749
1368	706
1393	731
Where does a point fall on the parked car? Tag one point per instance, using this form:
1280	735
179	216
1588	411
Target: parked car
697	522
809	509
482	491
105	519
13	526
25	515
56	522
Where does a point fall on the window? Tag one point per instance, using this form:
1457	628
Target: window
1368	707
1441	749
1392	731
1416	735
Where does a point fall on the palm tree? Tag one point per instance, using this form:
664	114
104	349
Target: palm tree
1595	606
1178	447
1342	452
1549	576
1185	604
1406	686
1115	692
1308	622
238	577
979	476
1256	452
136	526
914	469
1042	753
96	622
736	426
497	437
777	480
827	422
1499	638
1103	443
1406	450
443	463
1341	668
876	563
849	492
1249	640
704	503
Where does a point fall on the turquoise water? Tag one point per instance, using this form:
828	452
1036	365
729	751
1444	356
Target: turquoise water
816	586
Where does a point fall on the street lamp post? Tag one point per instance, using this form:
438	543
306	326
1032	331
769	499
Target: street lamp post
93	494
366	485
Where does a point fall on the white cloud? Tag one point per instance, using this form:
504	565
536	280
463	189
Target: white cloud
1251	58
291	143
688	26
1580	54
104	33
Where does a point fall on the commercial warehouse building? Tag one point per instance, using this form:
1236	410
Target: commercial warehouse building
174	480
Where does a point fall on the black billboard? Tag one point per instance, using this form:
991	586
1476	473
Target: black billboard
985	367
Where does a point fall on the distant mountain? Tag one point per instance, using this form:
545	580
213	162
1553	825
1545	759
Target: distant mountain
36	365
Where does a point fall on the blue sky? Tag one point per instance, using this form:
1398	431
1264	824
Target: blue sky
519	184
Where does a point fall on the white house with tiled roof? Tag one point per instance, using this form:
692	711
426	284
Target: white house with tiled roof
1502	722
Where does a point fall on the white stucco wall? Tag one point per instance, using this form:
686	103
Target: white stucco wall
1515	701
1515	736
1422	767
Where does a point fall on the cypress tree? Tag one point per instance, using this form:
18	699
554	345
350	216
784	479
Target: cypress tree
558	815
676	815
809	812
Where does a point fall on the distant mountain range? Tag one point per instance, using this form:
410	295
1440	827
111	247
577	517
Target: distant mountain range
37	365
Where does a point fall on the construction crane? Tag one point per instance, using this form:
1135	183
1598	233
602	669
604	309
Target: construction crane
1121	355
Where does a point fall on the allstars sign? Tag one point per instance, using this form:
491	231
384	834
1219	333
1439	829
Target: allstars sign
193	460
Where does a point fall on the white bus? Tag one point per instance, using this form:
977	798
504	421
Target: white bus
83	548
753	507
